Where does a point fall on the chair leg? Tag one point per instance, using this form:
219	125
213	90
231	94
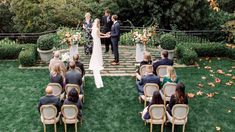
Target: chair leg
44	126
162	127
173	127
151	127
55	127
145	123
183	127
65	127
145	102
76	128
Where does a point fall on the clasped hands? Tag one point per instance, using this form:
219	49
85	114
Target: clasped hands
106	35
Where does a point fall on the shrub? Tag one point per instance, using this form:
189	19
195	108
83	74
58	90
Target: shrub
9	49
28	55
186	55
127	39
48	41
167	41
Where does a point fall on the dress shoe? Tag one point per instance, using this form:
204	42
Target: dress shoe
112	61
115	63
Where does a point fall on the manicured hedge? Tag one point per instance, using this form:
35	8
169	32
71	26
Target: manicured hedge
28	55
9	49
187	53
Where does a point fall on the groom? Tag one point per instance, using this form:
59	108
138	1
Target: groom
115	36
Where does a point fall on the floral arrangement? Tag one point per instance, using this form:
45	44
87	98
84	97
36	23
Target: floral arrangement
142	38
65	57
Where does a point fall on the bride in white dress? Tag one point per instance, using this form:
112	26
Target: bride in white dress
96	62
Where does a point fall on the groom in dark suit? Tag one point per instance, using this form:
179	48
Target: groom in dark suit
107	23
115	36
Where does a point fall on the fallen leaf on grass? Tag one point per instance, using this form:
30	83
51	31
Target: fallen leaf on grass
233	67
233	78
230	70
233	97
211	75
229	111
229	83
199	93
211	71
207	67
217	128
218	58
211	84
191	95
200	85
217	80
216	93
210	95
228	75
207	58
203	77
220	71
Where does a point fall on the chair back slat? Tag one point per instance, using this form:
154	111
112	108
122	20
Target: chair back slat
69	111
169	89
150	88
56	88
161	70
157	112
180	111
48	112
68	87
143	69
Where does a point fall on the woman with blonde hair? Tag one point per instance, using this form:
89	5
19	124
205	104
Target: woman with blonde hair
170	76
96	61
56	75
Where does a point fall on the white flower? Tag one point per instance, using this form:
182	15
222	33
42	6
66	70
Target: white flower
65	57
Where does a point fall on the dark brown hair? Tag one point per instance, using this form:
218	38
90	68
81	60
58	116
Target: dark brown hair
165	53
180	93
73	95
157	99
107	11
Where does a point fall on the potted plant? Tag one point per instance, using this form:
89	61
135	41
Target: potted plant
45	46
168	42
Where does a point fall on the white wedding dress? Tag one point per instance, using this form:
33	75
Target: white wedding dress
96	62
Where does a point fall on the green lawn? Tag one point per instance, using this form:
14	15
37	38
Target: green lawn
115	107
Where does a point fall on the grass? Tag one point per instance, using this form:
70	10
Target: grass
115	107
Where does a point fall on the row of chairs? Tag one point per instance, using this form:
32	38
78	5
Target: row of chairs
158	113
68	113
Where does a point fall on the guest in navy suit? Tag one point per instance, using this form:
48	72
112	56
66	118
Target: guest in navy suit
163	61
148	78
115	36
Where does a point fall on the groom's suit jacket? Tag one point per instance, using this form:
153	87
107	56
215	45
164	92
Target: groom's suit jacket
115	31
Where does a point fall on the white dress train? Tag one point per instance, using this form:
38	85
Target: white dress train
96	61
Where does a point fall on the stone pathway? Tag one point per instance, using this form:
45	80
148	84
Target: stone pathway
127	65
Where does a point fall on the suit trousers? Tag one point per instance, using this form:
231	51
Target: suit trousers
107	42
115	48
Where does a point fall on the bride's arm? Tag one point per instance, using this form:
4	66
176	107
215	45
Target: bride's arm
101	35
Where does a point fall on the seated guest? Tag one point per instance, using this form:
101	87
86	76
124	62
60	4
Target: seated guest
147	61
156	99
148	78
163	61
56	60
49	99
78	64
170	76
56	75
178	98
73	98
73	76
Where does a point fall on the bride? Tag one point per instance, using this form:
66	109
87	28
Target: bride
96	62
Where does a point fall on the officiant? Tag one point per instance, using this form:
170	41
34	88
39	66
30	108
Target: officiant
87	26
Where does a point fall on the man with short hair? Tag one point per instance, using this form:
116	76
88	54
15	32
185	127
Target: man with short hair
163	61
49	98
107	24
56	60
73	76
148	78
78	64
